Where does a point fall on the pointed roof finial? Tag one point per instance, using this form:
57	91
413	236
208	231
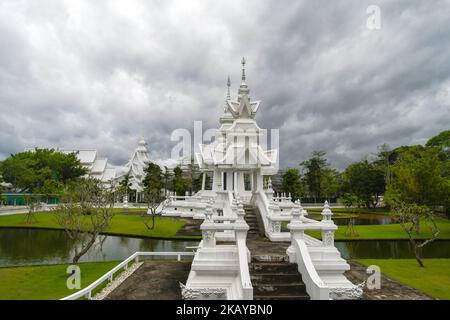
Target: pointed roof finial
228	85
243	69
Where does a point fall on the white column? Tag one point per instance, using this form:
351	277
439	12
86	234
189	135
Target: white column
203	180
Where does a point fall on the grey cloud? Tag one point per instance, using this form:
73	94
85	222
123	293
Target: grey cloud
101	74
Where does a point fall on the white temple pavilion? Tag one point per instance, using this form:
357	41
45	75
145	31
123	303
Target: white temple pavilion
241	209
99	168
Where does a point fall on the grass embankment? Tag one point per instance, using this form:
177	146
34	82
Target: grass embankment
434	279
121	224
387	231
46	282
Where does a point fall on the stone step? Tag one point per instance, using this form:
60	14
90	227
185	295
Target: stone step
270	258
297	297
279	279
279	290
273	268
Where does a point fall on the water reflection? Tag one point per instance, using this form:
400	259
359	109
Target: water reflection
390	249
32	246
362	219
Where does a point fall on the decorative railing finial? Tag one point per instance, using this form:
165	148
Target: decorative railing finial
326	212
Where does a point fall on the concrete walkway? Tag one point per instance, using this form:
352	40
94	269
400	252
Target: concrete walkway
154	280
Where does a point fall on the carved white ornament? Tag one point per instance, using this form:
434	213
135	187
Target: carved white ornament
202	293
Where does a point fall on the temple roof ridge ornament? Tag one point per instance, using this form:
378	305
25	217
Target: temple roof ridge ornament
228	90
243	107
243	89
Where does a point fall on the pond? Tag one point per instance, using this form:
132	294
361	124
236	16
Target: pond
20	247
362	219
390	249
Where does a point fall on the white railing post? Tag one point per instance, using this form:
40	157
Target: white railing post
297	230
207	227
329	227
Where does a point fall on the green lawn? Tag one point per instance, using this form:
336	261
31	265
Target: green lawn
352	211
46	282
125	224
433	280
387	231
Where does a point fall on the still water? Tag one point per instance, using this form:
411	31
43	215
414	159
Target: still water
33	246
362	219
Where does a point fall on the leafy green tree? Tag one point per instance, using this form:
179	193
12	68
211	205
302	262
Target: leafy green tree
419	180
153	183
442	143
193	178
167	177
30	170
1	189
350	200
124	186
292	183
153	180
365	180
179	183
331	182
314	172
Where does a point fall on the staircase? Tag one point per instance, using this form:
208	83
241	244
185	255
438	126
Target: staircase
274	278
250	218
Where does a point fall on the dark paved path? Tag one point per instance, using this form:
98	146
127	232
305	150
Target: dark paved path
154	280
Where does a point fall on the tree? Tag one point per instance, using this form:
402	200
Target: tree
417	186
84	213
419	180
33	204
292	183
167	176
179	183
30	170
314	172
153	183
330	182
384	161
1	188
350	200
366	181
442	143
124	187
409	217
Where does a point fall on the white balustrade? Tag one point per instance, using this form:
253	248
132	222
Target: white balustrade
87	292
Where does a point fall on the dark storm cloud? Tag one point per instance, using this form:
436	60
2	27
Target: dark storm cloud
99	74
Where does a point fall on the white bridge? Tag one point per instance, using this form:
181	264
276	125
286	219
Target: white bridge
241	168
221	271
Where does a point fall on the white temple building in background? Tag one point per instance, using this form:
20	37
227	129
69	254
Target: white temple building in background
99	167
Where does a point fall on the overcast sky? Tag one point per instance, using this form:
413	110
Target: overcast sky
100	74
